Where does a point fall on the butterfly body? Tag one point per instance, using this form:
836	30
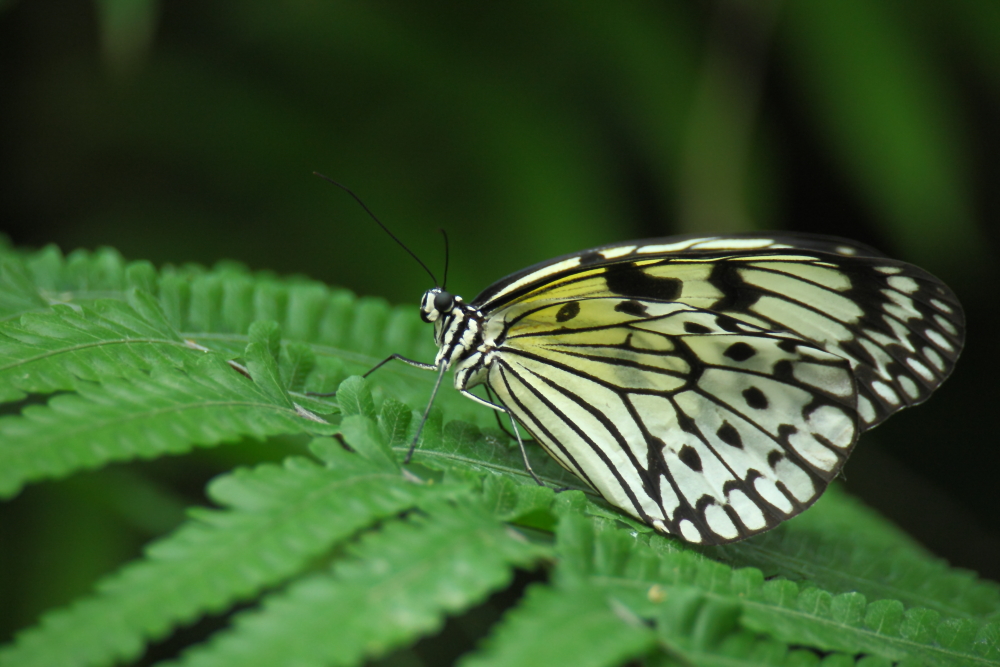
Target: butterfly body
709	386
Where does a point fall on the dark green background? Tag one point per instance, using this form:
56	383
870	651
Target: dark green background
188	131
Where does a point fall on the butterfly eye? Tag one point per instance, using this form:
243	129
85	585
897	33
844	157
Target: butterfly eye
444	302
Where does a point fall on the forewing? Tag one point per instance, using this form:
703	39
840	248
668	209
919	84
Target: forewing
899	327
695	422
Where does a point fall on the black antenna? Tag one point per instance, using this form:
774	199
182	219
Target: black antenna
444	284
384	228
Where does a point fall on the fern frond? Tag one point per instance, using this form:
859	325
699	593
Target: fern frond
702	630
900	571
139	415
580	627
48	351
212	309
40	279
18	294
463	446
848	622
396	585
842	546
646	574
277	519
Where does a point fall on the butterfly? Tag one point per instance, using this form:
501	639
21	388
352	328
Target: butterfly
711	387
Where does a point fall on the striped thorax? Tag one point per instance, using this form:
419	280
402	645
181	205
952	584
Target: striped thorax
458	333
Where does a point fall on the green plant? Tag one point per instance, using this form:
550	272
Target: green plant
338	554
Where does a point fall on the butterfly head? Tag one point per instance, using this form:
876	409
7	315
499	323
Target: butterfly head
437	304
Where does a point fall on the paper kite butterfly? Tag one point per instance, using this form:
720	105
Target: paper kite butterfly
709	386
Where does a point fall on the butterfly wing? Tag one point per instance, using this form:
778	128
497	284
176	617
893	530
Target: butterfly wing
900	328
695	422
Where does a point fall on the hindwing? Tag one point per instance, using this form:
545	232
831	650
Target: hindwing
699	424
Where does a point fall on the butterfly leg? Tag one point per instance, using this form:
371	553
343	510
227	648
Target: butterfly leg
398	357
503	428
427	410
517	433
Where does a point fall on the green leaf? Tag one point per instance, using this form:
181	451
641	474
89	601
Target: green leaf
842	546
191	310
297	361
49	351
394	422
466	446
364	437
747	649
267	333
395	585
646	572
277	520
18	294
579	627
263	369
355	398
168	411
520	503
146	305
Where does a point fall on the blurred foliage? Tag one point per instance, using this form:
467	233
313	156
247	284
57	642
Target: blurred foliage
187	132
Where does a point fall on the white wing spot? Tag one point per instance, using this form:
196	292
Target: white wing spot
621	251
748	511
833	424
901	334
539	275
942	306
889	270
667	496
689	532
903	284
659	248
660	526
832	379
846	250
769	492
803	321
878	354
826	278
902	308
887	393
866	410
812	451
939	340
934	358
909	386
795	480
946	325
920	369
732	244
720	523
